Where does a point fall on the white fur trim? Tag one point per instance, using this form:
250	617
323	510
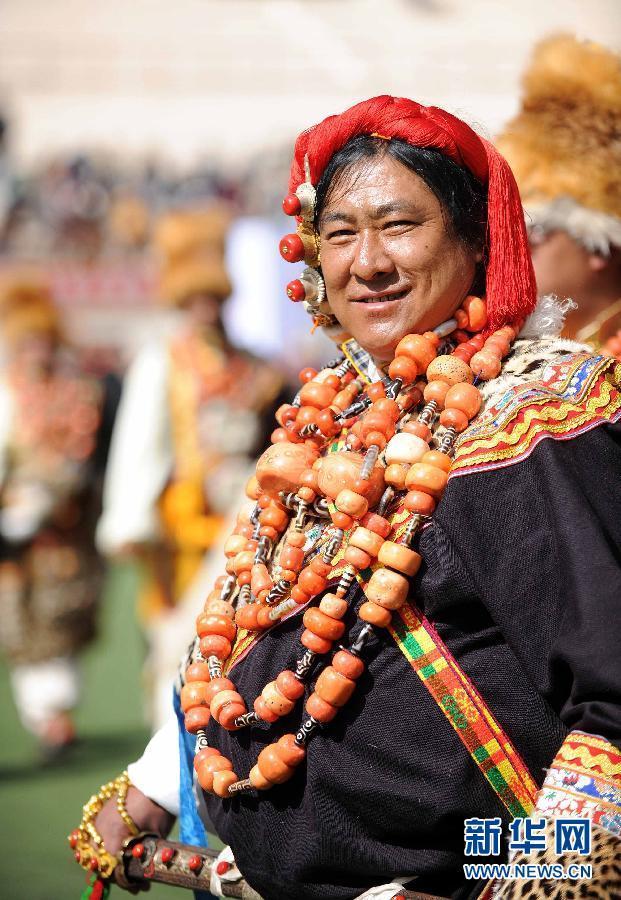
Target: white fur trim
596	231
218	883
547	318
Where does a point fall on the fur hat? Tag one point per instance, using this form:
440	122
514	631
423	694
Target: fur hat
191	246
564	145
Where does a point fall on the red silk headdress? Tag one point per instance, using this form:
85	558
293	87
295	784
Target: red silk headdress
510	285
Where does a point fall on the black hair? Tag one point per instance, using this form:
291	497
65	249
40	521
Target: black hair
462	196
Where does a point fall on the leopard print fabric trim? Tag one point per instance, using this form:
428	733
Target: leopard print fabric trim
584	781
605	858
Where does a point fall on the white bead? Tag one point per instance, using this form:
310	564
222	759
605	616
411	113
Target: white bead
445	328
405	448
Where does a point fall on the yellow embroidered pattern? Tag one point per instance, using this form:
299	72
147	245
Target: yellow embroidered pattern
580	758
575	394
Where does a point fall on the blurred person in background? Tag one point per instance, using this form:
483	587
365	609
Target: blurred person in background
55	423
7	180
194	413
565	150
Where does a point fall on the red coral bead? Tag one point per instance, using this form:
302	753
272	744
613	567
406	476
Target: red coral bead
263	711
341	520
315	643
216	645
138	851
376	390
291	205
286	413
223	866
348	664
93	865
404	368
326	423
296	290
377	524
196	718
73	839
307	374
198	671
290	686
292	248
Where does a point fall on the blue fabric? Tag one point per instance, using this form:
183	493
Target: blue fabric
191	829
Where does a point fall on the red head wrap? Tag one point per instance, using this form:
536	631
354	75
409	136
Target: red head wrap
510	288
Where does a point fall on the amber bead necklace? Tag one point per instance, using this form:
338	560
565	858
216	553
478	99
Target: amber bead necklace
387	429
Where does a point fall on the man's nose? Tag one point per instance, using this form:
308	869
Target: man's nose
370	257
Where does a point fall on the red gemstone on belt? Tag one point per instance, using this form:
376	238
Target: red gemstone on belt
167	855
223	867
195	863
138	851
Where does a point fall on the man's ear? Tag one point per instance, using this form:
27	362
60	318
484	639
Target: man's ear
597	262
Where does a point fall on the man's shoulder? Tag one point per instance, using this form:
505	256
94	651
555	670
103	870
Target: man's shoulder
562	394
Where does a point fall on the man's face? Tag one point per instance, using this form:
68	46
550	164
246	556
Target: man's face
562	266
34	352
202	310
390	265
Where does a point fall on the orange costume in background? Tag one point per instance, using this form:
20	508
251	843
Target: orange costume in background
51	415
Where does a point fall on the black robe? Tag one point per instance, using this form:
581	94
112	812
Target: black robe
522	580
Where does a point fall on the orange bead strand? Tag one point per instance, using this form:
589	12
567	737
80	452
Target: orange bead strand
292	477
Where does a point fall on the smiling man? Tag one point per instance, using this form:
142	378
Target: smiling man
416	622
391	264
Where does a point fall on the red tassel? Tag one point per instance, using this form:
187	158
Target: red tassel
511	292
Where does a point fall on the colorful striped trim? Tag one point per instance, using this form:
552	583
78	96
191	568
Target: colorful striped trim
574	395
584	780
465	709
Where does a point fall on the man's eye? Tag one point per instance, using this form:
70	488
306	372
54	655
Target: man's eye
400	223
339	233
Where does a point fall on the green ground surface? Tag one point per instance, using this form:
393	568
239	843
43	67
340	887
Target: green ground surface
40	805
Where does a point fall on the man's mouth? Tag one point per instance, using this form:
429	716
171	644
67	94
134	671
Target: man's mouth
381	298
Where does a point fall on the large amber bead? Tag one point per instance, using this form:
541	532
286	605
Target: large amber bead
333	687
450	370
339	471
388	589
272	767
281	467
